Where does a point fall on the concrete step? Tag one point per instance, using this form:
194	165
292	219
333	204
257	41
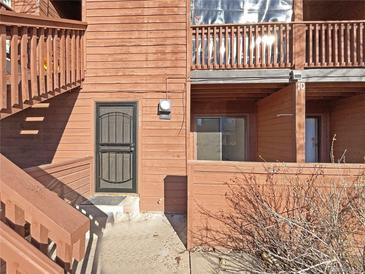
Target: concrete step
116	208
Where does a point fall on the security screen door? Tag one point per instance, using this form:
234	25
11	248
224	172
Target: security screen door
116	147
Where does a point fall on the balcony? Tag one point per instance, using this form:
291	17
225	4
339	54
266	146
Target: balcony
295	45
39	58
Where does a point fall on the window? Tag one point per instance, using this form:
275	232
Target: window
221	138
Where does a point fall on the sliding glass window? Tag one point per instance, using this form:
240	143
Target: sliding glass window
221	138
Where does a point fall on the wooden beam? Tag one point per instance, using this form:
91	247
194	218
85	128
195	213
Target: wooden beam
300	122
298	10
2	67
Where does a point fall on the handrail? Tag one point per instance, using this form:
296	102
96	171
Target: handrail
295	45
40	57
335	44
270	23
26	200
242	46
10	18
22	257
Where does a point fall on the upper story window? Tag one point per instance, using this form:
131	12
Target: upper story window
240	11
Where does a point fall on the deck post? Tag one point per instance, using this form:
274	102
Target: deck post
298	10
299	46
300	121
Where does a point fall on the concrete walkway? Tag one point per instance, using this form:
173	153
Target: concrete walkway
146	245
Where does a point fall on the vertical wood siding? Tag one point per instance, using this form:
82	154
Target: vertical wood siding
347	121
276	126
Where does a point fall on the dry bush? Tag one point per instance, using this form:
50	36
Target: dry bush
302	225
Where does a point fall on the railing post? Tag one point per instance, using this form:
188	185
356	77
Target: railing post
299	47
14	66
41	62
39	235
63	58
24	65
15	215
78	249
64	254
299	121
33	64
49	42
56	53
2	66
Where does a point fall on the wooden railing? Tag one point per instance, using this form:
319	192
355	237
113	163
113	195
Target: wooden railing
49	217
39	58
335	44
241	46
21	256
294	45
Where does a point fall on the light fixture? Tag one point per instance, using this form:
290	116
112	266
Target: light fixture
164	109
295	75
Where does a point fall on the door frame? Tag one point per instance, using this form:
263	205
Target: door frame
134	104
324	134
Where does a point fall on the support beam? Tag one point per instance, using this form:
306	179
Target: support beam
299	121
298	10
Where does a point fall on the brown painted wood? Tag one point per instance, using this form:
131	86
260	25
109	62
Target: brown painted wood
2	66
73	57
49	61
213	176
33	64
22	256
20	19
21	193
56	60
14	67
41	59
68	57
24	65
63	59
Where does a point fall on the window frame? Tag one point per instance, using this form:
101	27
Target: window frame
221	116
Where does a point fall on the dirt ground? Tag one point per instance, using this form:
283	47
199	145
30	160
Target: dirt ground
152	244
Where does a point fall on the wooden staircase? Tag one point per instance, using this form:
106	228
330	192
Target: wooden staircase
32	218
40	58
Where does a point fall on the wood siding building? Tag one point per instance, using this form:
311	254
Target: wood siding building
135	100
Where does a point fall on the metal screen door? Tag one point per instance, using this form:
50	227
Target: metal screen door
116	147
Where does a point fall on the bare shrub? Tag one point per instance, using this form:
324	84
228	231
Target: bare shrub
297	224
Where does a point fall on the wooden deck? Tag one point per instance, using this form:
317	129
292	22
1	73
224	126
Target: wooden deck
297	45
39	58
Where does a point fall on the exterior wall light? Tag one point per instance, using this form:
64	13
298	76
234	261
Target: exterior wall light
164	109
295	75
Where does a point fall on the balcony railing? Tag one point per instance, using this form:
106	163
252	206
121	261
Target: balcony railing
39	58
335	44
278	45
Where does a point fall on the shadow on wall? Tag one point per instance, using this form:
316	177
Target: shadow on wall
175	204
31	137
98	219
